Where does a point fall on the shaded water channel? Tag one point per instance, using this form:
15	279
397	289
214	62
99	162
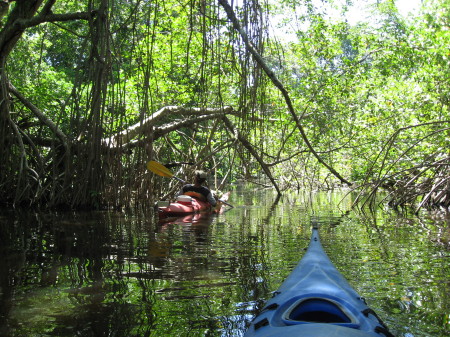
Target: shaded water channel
125	274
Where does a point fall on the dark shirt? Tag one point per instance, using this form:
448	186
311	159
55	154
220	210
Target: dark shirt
204	191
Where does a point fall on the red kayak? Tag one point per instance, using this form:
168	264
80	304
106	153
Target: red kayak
186	204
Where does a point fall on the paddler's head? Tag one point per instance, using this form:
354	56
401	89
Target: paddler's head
200	177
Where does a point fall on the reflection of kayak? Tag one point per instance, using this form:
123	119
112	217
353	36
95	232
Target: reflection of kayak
316	300
186	204
191	219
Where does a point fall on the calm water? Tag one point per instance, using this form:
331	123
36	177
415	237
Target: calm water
125	274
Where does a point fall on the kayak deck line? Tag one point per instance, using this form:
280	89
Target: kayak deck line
316	300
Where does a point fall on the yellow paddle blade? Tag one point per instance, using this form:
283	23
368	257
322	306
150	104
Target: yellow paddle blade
159	169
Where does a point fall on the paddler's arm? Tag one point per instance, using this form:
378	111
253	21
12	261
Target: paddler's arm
210	198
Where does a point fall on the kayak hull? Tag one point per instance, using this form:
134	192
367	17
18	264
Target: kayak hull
190	205
315	330
181	208
316	300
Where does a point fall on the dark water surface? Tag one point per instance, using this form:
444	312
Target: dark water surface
125	274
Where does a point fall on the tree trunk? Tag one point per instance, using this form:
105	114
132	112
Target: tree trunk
92	177
9	35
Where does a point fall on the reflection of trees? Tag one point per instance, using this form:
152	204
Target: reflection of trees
84	257
391	252
12	260
123	274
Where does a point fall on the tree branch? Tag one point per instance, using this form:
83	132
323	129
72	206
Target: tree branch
258	58
252	151
140	128
37	20
42	118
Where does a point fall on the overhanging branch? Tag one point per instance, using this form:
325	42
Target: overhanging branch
258	58
42	118
146	125
252	151
37	20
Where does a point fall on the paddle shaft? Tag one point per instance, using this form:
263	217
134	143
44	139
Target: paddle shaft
179	179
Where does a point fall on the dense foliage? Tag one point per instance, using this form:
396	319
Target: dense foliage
92	90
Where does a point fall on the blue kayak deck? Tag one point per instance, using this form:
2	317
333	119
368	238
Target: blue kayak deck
316	300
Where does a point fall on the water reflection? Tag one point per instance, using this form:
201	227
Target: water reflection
108	273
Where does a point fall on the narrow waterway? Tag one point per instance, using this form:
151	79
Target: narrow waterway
127	274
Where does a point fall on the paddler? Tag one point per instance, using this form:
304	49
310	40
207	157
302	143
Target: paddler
198	190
